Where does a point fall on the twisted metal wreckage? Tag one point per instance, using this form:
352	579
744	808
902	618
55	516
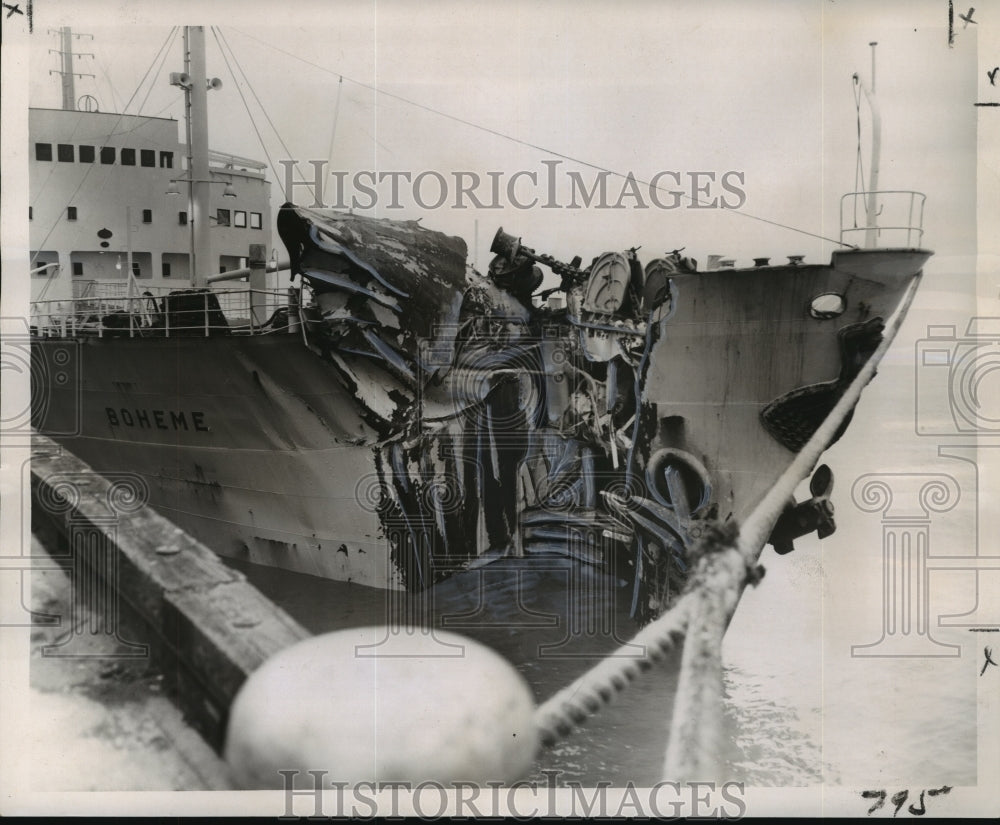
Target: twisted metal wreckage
566	428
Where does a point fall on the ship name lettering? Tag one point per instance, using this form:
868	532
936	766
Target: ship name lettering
157	419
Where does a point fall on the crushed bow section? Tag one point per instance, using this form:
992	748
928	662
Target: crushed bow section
508	424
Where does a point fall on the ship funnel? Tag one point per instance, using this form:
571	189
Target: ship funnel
182	79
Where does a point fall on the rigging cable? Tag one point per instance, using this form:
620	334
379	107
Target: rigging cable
535	146
91	167
220	38
859	167
152	83
246	106
336	116
115	97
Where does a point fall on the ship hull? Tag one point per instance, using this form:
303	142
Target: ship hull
256	447
741	353
244	441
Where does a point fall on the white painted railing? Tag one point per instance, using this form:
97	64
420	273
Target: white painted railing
161	312
898	219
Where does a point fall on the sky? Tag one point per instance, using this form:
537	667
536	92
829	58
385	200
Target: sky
761	92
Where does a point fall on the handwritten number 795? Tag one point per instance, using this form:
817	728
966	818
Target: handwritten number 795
899	798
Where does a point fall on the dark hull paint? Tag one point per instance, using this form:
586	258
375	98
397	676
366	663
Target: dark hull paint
254	446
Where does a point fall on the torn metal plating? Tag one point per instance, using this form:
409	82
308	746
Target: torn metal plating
506	427
503	427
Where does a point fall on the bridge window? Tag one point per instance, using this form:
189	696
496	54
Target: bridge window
43	151
147	215
107	155
182	218
71	213
77	267
240	219
147	157
86	154
128	157
166	270
222	217
166	160
65	153
255	222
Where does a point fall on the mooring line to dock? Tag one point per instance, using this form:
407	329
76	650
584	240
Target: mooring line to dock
696	743
727	561
559	715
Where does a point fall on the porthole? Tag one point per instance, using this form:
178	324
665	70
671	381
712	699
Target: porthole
828	305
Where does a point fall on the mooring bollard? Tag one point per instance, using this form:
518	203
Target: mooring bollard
420	707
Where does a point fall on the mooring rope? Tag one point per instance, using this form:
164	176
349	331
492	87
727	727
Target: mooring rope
559	715
727	561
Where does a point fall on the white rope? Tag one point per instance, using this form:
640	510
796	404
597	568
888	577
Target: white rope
696	740
726	563
560	714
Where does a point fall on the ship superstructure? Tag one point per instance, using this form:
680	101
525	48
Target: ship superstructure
112	196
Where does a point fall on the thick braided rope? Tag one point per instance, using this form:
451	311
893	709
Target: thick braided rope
695	747
560	714
702	614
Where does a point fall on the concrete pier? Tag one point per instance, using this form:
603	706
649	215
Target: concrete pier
144	612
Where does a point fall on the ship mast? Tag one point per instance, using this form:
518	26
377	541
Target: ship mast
197	113
872	224
66	50
66	55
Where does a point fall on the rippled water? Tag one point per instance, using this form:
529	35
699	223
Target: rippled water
802	709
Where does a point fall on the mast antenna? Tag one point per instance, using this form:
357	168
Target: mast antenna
66	53
871	232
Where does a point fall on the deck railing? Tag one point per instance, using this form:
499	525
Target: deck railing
163	312
898	220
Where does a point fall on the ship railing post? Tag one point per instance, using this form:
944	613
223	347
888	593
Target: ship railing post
205	296
257	262
100	318
302	318
909	222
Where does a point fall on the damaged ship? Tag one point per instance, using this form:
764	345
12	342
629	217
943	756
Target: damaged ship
541	462
403	416
399	420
